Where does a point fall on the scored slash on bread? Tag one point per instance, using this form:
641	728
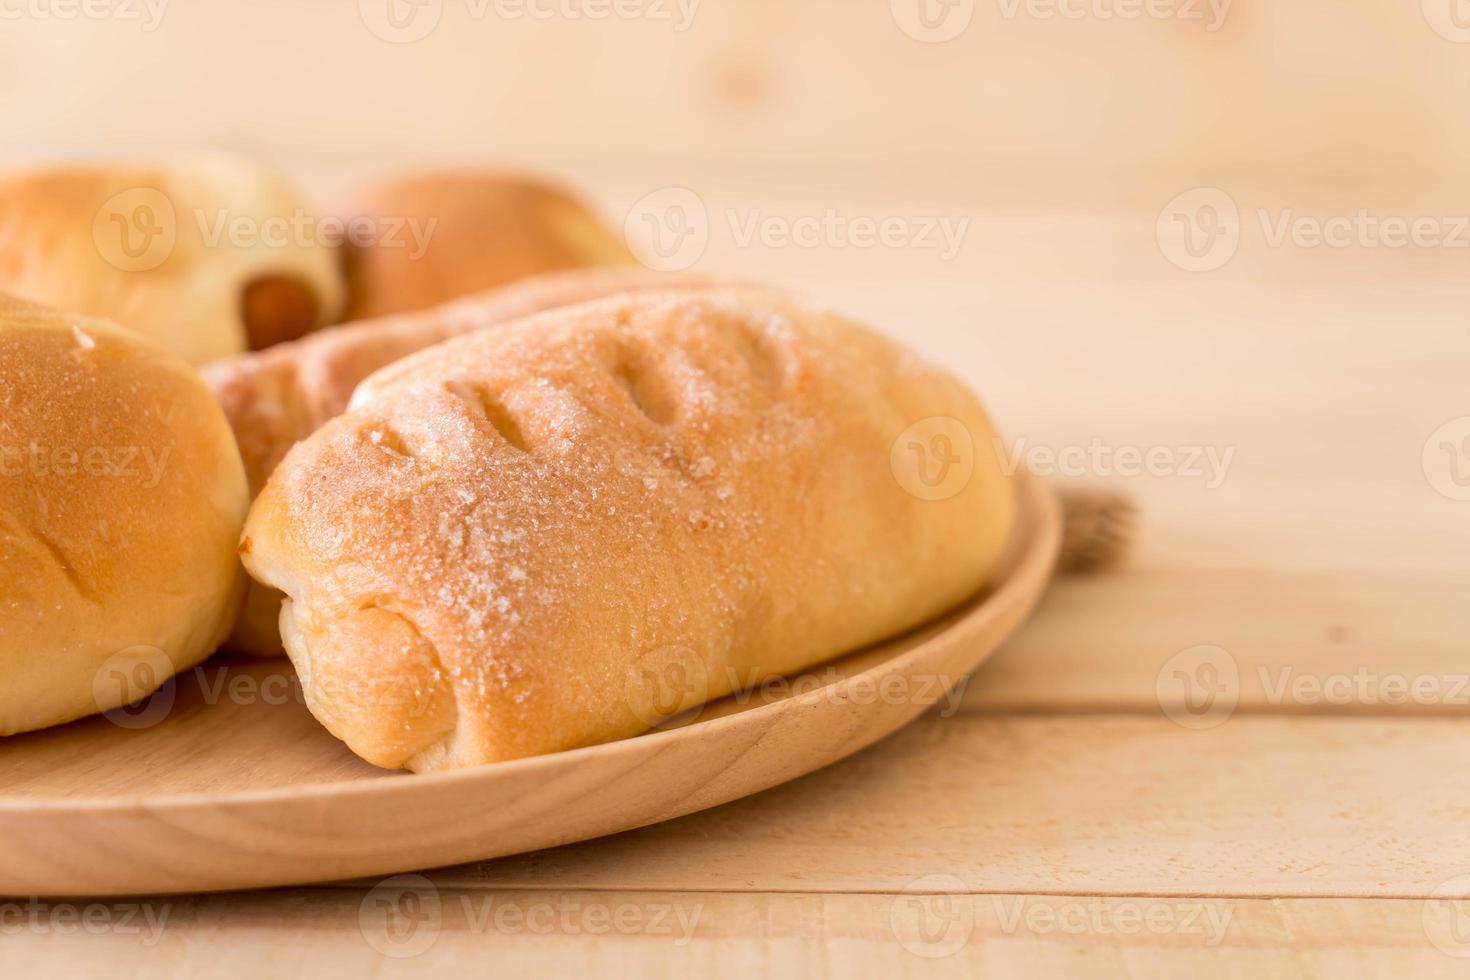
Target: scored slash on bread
277	397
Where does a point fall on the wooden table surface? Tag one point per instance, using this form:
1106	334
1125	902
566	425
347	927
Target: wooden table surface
1242	754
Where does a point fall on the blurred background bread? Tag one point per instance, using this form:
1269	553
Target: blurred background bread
208	255
121	501
427	238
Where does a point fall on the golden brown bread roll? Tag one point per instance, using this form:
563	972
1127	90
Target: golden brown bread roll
121	502
497	553
277	397
209	256
435	237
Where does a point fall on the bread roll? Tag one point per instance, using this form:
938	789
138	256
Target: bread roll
208	256
277	397
503	550
121	501
435	237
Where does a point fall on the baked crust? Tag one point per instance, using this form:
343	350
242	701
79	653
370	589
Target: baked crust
208	256
277	397
121	500
435	237
274	398
511	546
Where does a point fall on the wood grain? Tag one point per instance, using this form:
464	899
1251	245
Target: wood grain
1324	551
1390	644
1259	806
248	792
342	933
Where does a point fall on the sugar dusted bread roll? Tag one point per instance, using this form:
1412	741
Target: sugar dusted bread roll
500	552
208	256
277	397
121	501
433	237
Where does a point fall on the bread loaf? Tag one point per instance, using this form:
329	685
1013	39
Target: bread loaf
208	256
277	397
121	502
501	549
430	238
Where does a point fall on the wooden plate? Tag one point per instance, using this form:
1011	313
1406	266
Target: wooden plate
223	780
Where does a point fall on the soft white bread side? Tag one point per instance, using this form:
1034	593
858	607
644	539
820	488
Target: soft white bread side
121	500
512	548
209	256
275	398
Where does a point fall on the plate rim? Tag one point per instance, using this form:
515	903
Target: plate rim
1038	511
